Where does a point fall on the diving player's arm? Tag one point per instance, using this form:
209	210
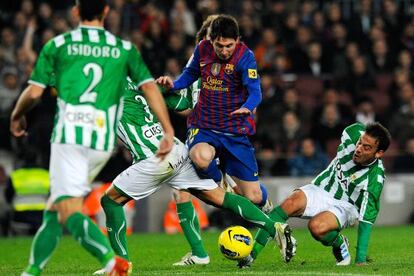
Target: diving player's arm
369	215
364	233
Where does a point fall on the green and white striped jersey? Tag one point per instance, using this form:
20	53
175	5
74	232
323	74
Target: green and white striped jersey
139	128
88	66
359	185
183	99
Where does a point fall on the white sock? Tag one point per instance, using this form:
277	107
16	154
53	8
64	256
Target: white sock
110	265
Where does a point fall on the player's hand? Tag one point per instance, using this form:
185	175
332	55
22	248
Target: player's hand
165	81
166	145
241	111
18	126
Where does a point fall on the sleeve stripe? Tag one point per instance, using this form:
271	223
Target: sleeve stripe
37	83
145	81
361	220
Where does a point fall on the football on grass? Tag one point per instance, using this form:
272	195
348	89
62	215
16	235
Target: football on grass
235	242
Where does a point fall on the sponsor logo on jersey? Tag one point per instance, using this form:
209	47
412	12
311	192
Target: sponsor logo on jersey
252	73
215	84
85	116
342	179
95	51
100	122
229	69
215	69
151	131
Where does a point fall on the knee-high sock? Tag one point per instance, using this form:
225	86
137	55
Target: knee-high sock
262	237
116	226
191	228
212	171
247	210
44	243
332	238
87	233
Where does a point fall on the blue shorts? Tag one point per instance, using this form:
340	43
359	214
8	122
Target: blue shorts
235	152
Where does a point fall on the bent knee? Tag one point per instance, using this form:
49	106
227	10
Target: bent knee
318	228
202	155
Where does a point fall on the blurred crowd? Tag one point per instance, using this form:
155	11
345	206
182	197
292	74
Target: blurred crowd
323	65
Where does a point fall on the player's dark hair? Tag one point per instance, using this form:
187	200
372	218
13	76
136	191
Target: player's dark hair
224	26
379	132
202	33
91	9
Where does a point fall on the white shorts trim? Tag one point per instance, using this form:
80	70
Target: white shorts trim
72	168
147	176
319	200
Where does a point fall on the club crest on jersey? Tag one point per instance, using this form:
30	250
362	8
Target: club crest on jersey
229	68
215	69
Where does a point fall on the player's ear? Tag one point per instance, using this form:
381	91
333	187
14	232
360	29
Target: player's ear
106	11
379	154
75	12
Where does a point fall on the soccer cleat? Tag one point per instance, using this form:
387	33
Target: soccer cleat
285	241
190	259
341	253
245	262
121	268
102	271
267	207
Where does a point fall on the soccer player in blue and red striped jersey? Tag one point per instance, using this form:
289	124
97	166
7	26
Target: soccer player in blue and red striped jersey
223	116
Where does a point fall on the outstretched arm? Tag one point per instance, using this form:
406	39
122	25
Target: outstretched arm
364	233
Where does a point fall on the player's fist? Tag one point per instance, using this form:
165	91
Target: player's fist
166	145
165	81
18	126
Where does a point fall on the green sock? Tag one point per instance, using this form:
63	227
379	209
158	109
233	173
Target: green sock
247	210
90	237
191	228
332	238
262	237
116	226
44	242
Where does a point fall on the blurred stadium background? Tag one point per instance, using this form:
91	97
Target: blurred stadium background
323	65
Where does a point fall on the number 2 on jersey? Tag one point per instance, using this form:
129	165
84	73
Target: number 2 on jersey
89	96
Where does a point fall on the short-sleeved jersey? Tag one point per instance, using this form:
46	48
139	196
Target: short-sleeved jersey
88	66
139	128
345	180
225	87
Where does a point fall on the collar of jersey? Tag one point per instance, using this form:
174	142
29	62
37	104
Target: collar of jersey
91	27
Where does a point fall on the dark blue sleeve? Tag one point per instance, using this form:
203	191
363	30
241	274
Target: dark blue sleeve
191	72
248	68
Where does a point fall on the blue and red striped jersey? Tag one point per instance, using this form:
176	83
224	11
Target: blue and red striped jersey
225	87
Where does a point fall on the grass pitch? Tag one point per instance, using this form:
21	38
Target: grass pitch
391	249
